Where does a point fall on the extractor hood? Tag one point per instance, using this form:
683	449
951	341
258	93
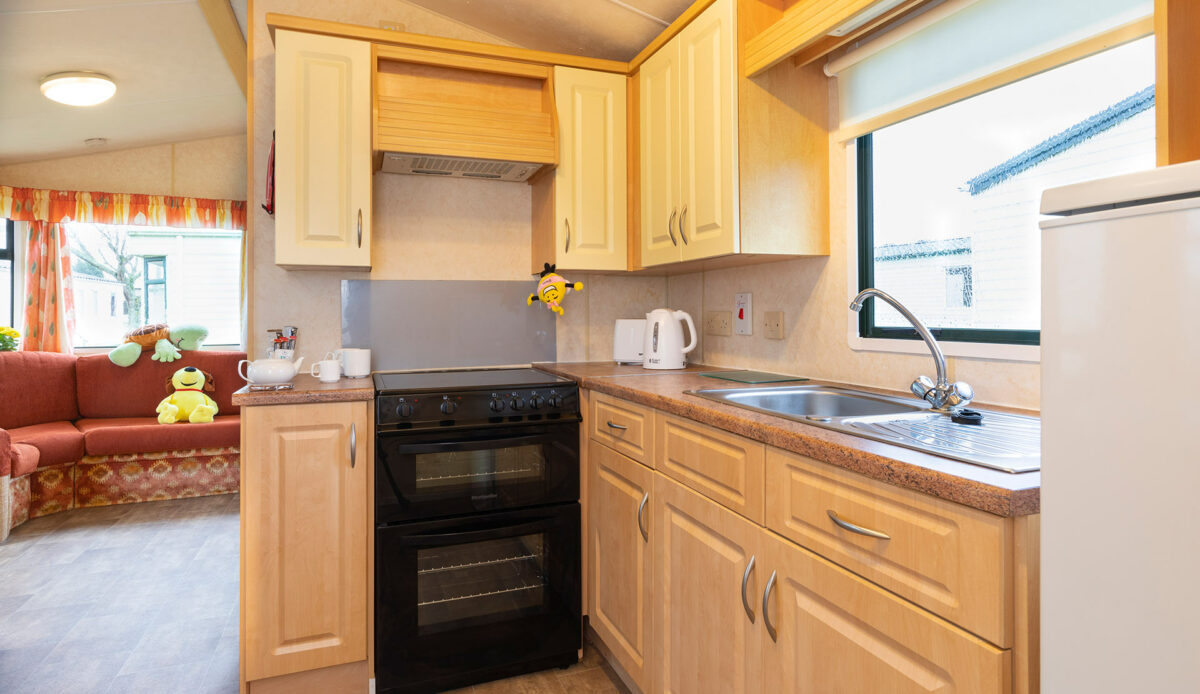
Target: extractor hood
458	167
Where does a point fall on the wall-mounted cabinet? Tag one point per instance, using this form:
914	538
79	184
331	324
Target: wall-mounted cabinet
579	209
322	151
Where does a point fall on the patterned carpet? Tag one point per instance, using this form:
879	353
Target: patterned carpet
122	599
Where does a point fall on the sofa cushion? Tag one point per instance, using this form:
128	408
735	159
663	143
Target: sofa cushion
36	387
122	435
25	459
6	453
109	391
56	442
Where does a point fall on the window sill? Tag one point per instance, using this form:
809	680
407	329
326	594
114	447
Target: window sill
106	350
968	350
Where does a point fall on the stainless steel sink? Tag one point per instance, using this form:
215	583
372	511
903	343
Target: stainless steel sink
1007	442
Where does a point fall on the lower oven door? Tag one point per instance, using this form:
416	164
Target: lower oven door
436	474
479	598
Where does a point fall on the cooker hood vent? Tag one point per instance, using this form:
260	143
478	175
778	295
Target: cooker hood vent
458	167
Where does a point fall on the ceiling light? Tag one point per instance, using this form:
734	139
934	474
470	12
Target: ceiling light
78	88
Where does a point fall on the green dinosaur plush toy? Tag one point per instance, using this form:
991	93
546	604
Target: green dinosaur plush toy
163	341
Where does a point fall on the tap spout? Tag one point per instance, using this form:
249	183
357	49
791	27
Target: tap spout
938	358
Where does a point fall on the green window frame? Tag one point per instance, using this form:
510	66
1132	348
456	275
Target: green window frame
866	274
147	261
9	253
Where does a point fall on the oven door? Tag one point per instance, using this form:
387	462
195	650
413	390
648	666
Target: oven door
435	474
471	599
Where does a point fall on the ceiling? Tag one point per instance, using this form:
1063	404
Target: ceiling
173	83
613	29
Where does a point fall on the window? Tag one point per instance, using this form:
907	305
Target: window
948	201
128	276
8	275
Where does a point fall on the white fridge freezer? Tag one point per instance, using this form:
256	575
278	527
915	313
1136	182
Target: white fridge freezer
1121	434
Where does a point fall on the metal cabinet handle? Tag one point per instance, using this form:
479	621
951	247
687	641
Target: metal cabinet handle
671	231
641	526
620	427
682	216
567	245
766	614
353	446
856	528
745	580
360	227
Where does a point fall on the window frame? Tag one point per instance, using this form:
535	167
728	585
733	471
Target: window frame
864	184
9	253
147	282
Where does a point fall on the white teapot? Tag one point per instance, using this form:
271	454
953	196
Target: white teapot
269	371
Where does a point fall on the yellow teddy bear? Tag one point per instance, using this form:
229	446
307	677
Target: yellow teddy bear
189	402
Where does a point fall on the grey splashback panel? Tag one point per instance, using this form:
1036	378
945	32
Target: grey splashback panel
430	324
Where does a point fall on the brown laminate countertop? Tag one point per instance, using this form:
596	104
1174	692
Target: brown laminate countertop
308	389
994	491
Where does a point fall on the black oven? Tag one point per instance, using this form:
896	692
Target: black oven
439	473
478	597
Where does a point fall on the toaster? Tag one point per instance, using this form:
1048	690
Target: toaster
628	336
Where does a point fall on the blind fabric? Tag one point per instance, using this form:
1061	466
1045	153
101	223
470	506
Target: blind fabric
980	39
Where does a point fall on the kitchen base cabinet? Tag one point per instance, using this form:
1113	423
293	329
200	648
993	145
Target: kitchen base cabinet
618	545
706	635
305	529
830	631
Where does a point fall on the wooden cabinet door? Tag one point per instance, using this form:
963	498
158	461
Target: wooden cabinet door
589	183
305	532
707	639
619	555
837	633
322	151
708	133
658	118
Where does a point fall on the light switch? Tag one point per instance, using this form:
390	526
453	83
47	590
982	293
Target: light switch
743	319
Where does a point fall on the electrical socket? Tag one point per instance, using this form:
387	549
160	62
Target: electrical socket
718	323
773	325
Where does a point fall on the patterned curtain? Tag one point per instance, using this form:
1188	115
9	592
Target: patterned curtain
50	301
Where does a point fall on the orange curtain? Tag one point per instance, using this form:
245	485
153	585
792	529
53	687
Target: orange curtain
32	204
49	298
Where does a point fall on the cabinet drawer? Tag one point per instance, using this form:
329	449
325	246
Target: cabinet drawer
623	426
724	467
948	558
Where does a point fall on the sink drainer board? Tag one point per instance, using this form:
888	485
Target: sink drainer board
752	376
1007	442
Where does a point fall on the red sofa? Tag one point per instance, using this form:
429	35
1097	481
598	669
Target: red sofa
81	431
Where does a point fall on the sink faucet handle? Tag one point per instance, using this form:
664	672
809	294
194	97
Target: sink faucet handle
922	387
960	394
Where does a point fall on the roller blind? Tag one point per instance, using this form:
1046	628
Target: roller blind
981	38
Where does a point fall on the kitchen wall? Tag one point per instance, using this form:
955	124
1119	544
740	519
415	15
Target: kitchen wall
424	228
213	167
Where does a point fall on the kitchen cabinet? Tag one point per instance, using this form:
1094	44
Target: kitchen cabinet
323	164
725	468
579	209
729	168
620	582
305	537
623	426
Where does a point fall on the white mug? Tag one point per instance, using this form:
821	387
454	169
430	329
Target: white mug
356	363
328	370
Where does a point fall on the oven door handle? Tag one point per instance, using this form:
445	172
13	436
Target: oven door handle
433	539
477	444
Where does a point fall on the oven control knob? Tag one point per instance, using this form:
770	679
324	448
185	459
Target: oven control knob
497	405
536	402
404	409
448	407
517	403
554	401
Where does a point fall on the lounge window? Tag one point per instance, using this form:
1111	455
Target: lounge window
128	276
8	275
948	200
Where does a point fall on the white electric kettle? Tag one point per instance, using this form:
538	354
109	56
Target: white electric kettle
663	347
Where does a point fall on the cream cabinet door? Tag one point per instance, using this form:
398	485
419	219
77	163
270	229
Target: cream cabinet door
305	531
708	133
835	632
590	181
658	118
619	558
706	630
322	151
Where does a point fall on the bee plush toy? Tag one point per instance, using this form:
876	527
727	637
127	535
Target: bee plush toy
551	289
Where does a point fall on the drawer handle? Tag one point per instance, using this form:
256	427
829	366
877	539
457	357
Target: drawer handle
766	613
641	526
618	427
567	245
360	227
353	446
856	528
745	580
